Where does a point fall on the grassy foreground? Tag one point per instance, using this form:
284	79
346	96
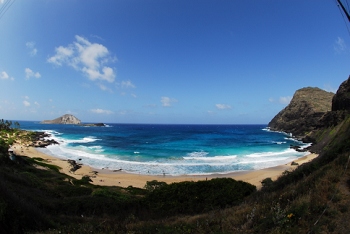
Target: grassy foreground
315	198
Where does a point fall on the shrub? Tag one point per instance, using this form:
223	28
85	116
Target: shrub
196	197
267	182
154	184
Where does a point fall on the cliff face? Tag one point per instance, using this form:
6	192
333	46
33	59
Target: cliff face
65	119
304	112
340	106
341	100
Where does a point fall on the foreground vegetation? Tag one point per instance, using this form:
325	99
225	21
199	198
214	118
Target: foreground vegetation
315	198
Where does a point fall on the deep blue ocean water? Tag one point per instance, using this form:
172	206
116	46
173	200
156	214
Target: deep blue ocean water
170	149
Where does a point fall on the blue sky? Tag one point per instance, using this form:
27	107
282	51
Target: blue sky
167	61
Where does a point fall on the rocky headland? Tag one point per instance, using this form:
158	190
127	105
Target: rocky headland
303	113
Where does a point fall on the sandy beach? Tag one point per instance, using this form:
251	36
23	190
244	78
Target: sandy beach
119	178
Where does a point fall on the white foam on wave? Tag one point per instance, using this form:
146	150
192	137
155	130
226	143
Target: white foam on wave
214	158
279	142
194	163
197	154
189	165
87	139
271	154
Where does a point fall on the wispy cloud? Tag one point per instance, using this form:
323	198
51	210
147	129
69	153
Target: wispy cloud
32	50
5	76
86	57
26	103
285	100
282	100
340	45
29	73
167	101
223	106
329	88
127	84
101	111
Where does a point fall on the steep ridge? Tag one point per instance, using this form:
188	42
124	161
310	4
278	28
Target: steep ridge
304	112
65	119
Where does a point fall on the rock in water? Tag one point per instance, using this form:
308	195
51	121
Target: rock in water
65	119
304	112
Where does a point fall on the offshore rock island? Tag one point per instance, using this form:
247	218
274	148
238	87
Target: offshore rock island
65	119
71	119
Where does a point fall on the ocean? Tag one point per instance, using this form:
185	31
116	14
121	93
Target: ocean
170	149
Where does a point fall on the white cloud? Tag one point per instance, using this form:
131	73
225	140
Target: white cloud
2	1
329	88
285	100
30	74
86	57
282	100
223	106
167	101
32	50
26	103
5	76
63	55
101	111
103	87
127	84
340	45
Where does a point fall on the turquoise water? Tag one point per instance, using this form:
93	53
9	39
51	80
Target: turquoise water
171	149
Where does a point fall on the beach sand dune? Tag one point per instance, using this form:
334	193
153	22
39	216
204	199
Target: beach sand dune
119	178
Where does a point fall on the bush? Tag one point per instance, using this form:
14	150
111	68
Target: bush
154	184
196	197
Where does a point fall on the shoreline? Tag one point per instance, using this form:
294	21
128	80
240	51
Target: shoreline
106	177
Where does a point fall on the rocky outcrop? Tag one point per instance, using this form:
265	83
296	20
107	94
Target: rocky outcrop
341	100
340	106
65	119
304	112
93	125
